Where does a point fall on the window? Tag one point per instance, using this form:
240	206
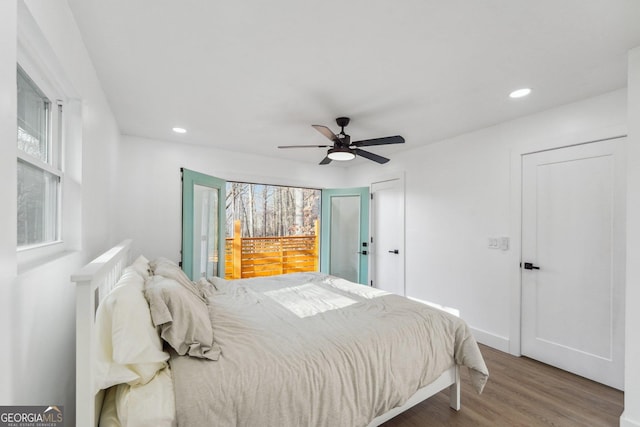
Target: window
39	169
271	230
271	210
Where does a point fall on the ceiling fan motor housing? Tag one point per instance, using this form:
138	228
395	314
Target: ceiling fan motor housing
342	121
344	139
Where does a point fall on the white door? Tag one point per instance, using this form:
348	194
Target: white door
573	259
387	242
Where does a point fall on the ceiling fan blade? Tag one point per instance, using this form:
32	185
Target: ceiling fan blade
325	161
379	141
326	132
371	156
305	146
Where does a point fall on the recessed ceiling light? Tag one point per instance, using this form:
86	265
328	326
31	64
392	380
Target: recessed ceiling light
179	130
520	93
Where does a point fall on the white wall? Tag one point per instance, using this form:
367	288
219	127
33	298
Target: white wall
99	131
460	192
8	219
631	415
37	303
149	196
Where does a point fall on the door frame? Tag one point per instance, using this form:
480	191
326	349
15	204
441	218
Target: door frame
513	342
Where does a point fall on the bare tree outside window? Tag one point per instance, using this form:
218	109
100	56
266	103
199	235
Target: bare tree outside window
272	211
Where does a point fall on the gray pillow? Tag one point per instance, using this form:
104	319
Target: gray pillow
167	268
182	318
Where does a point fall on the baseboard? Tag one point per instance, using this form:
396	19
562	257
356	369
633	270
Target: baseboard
491	340
626	422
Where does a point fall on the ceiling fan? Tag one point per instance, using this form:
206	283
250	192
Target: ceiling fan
344	149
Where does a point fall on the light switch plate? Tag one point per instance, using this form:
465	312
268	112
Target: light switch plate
503	243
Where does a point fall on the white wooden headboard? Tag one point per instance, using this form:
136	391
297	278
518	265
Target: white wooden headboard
93	283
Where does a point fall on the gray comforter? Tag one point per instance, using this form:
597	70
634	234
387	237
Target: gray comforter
313	350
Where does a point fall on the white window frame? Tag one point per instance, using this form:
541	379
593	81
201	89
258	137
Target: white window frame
35	57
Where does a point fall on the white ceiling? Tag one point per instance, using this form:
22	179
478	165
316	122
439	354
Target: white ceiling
250	75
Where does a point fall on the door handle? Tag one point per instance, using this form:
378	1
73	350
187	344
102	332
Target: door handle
395	251
530	266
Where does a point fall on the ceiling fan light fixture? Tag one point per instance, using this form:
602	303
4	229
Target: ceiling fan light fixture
340	154
520	93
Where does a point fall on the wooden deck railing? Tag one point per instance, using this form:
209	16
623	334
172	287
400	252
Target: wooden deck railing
266	256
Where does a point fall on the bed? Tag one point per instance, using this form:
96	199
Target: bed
290	350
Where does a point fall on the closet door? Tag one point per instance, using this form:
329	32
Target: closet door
387	236
203	225
573	254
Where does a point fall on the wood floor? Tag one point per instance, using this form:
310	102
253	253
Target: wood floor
520	392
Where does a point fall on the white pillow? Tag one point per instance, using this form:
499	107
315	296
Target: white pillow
147	405
206	287
141	265
109	413
221	285
127	348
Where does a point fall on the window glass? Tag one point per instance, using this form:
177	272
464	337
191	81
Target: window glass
271	210
39	180
271	230
33	119
37	205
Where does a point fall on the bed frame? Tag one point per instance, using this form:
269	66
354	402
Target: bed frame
93	283
449	379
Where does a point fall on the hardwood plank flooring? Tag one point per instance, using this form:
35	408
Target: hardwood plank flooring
520	392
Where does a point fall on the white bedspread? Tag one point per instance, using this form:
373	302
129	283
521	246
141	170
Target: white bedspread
313	350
